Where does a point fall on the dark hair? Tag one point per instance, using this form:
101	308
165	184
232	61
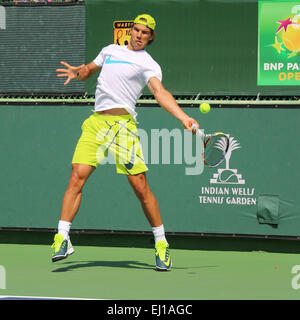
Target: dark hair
152	34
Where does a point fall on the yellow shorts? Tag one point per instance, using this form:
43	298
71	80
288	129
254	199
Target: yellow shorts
117	135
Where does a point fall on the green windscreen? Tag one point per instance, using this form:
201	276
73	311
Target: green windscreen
204	47
35	39
254	188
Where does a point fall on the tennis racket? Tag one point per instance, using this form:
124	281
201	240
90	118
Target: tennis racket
215	145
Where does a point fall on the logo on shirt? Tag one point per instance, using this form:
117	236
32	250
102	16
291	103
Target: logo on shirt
109	61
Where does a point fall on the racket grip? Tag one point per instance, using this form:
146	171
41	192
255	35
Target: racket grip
200	132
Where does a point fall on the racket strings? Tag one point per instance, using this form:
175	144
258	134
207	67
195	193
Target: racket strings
215	150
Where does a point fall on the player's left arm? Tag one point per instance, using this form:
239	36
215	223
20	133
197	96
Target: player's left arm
168	102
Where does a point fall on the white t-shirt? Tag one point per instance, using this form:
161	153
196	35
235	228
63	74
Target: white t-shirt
123	76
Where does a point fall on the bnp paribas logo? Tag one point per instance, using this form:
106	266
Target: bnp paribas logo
228	175
278	43
287	36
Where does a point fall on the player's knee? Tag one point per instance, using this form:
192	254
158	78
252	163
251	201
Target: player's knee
77	180
75	183
141	188
141	192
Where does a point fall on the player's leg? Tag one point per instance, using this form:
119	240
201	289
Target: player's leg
130	161
73	194
84	163
62	246
147	199
151	209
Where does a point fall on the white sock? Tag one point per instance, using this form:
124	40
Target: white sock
64	228
159	233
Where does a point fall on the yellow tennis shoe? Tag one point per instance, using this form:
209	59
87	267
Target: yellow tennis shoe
162	256
61	248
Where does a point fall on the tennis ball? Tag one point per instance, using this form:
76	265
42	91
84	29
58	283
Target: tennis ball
204	107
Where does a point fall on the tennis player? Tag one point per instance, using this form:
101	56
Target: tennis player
125	71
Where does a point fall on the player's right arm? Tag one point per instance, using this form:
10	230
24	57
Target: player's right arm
80	73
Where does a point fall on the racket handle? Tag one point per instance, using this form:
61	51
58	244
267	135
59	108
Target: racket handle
200	132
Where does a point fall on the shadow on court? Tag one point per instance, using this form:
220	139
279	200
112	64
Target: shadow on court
75	265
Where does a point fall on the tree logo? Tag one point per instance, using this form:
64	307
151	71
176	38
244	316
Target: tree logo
228	175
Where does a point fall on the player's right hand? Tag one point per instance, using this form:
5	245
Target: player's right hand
70	72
